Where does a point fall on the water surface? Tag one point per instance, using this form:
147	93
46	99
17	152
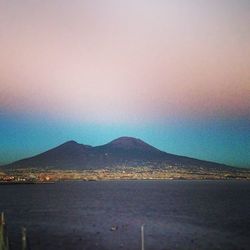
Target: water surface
176	214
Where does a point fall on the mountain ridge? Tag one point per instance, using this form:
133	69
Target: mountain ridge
124	151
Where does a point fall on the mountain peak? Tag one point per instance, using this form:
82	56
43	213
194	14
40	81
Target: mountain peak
71	142
126	139
129	143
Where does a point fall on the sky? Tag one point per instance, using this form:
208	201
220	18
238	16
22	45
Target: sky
173	73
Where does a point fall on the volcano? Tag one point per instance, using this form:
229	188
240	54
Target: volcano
121	152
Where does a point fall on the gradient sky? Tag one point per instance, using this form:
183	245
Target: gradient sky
173	73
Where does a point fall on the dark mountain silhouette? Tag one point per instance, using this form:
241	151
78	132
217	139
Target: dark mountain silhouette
124	151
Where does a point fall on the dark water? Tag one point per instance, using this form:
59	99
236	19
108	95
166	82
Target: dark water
176	214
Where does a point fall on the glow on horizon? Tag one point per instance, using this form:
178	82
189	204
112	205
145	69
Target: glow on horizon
125	62
152	59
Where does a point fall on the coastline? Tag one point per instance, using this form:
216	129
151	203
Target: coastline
51	176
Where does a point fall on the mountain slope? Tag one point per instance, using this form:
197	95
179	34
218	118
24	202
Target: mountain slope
124	151
67	155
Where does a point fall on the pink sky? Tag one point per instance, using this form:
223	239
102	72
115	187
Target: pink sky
125	59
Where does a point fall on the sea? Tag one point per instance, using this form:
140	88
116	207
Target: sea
174	214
